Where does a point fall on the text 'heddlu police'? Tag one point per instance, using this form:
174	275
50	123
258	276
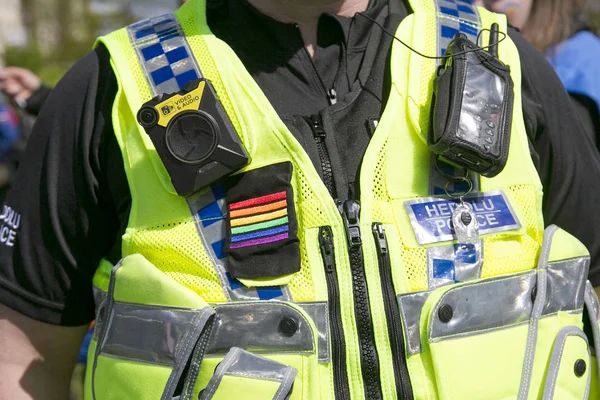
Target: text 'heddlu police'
431	217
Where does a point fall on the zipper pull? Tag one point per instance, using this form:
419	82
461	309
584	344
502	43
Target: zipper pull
332	94
350	211
326	245
317	126
380	239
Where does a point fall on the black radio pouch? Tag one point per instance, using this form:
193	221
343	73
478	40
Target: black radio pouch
472	109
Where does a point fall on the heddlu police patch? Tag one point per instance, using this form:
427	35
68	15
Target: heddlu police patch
431	217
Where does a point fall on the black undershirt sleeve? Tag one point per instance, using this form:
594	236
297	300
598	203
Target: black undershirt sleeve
60	218
589	115
565	155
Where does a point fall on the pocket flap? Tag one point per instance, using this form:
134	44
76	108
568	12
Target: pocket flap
570	366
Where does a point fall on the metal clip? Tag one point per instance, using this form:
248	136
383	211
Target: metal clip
466	226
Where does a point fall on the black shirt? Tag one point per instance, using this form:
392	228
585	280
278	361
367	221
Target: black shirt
70	203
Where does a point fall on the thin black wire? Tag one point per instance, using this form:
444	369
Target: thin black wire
504	35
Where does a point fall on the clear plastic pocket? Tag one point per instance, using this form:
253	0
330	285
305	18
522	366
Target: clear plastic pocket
282	333
259	378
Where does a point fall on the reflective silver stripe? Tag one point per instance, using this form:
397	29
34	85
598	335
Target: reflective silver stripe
241	363
484	306
536	312
566	285
99	296
149	334
475	305
319	312
591	304
262	327
164	53
452	17
507	301
411	306
555	361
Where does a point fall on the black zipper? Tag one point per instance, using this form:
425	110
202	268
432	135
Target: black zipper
403	385
338	343
319	133
369	359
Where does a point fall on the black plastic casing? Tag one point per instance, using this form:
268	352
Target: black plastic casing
472	106
207	131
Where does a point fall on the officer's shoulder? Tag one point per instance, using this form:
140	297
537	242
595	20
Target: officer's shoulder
88	75
536	70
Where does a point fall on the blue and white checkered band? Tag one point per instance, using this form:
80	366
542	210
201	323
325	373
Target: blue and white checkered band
450	264
164	53
168	63
455	16
452	17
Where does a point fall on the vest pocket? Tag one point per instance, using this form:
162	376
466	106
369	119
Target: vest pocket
568	374
494	338
260	378
149	330
278	332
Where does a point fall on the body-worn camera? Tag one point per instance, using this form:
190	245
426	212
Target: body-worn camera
193	136
472	109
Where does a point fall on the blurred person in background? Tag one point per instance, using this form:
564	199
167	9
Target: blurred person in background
9	136
23	88
24	95
9	129
560	30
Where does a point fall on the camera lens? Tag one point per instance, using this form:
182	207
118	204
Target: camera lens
192	136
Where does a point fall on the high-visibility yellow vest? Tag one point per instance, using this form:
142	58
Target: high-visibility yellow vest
404	312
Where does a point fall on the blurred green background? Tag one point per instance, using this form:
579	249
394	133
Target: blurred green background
49	36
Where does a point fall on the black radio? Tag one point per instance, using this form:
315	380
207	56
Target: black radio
472	108
193	136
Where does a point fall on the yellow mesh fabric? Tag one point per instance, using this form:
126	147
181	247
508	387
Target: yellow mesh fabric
184	260
308	209
207	64
524	196
309	214
174	246
426	83
415	261
506	253
382	210
140	78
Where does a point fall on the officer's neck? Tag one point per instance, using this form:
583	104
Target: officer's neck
306	14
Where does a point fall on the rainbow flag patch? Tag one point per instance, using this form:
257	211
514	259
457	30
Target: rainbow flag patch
258	221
